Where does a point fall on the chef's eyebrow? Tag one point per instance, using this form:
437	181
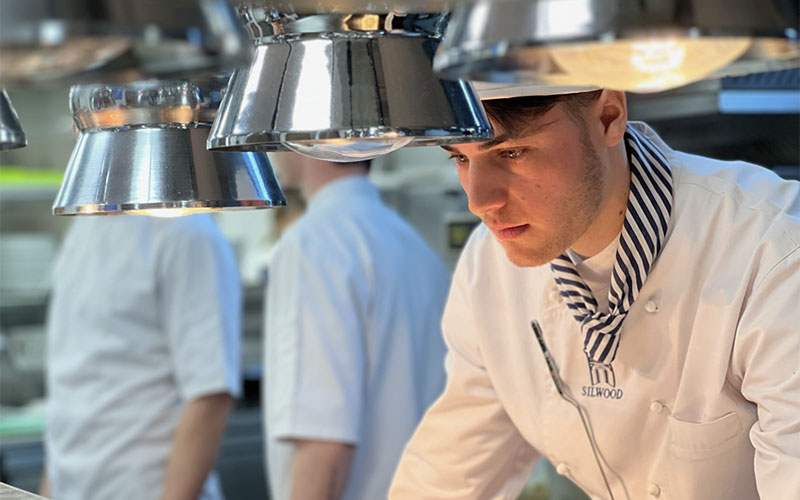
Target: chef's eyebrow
483	146
500	139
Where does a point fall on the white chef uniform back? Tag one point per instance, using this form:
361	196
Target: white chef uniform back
145	316
354	352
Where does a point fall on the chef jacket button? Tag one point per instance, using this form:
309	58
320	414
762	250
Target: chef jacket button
562	469
651	306
653	490
554	295
656	407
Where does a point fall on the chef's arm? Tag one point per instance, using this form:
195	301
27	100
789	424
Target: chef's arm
44	485
194	446
466	445
320	469
767	358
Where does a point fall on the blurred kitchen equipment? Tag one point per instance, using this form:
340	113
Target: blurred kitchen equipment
344	87
753	118
25	262
11	134
141	149
71	41
635	45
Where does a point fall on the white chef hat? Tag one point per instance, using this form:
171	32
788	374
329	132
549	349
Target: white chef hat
487	90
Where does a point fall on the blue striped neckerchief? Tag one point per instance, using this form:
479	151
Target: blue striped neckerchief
643	233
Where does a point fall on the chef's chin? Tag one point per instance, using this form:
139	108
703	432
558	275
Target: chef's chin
522	255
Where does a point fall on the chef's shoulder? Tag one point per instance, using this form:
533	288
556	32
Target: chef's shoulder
476	249
193	233
738	200
318	241
483	265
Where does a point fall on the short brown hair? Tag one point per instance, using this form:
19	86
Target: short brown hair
515	114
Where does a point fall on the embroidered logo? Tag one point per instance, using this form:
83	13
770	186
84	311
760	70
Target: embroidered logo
601	374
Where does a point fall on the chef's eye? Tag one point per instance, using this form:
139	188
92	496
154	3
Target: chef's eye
511	153
460	159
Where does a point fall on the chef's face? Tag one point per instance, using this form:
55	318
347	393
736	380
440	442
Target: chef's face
537	190
288	167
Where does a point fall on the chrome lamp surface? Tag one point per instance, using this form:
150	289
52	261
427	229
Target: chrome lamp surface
634	45
307	7
11	134
142	149
344	88
83	41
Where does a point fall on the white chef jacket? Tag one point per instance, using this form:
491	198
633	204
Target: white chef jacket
144	316
707	398
353	347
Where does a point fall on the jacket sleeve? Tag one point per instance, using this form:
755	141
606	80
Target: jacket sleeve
200	300
466	446
767	357
314	341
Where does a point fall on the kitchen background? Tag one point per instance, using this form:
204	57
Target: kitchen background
754	118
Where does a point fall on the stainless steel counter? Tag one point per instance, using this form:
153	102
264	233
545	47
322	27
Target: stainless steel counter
10	493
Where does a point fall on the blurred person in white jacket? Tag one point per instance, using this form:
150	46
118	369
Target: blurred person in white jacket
353	348
143	358
664	289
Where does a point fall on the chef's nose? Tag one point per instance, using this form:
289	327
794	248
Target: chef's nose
488	189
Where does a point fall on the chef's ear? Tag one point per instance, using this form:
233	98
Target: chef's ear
612	109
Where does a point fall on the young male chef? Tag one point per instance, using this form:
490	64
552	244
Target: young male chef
353	349
663	287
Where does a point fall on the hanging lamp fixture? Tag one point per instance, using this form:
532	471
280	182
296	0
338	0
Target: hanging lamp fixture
142	149
344	87
46	42
635	45
11	134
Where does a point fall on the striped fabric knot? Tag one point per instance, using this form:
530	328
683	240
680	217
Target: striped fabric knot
643	233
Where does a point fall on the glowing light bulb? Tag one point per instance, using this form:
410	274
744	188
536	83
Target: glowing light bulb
655	56
166	213
349	150
647	65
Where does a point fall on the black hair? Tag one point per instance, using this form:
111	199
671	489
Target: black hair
516	113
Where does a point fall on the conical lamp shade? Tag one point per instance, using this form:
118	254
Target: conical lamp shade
621	44
141	149
345	88
11	134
